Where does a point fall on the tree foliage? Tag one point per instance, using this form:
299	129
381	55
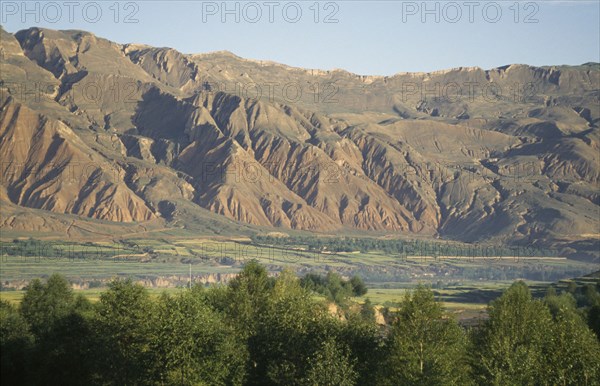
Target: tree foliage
122	323
264	330
333	287
193	345
532	342
510	344
426	346
16	341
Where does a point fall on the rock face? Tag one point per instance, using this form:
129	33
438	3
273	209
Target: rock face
49	167
509	153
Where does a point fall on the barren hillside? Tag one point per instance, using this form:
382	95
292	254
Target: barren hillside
144	135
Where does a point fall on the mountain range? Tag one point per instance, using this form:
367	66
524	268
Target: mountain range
100	137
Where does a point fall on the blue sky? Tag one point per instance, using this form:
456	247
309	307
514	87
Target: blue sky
365	37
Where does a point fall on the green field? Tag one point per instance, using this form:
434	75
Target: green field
464	284
91	294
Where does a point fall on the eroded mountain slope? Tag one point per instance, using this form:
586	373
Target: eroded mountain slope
513	158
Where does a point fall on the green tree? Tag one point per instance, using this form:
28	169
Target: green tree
123	326
556	303
285	332
367	311
572	350
339	290
330	365
15	344
65	355
593	319
45	304
245	303
247	295
290	331
358	286
365	341
333	287
61	353
426	346
193	345
509	348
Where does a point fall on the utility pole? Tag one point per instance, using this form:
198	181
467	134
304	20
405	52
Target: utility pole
190	275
